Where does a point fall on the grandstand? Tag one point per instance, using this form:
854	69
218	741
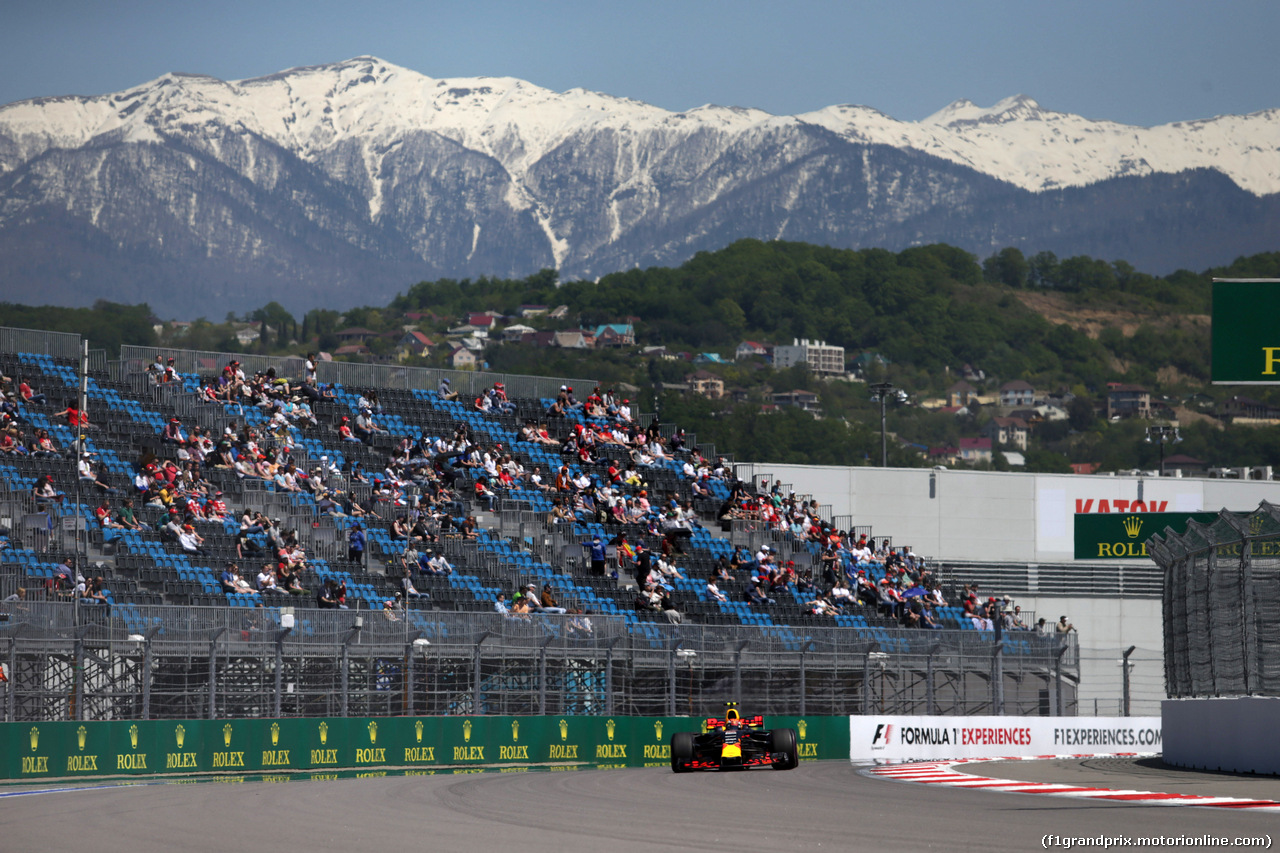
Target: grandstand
423	465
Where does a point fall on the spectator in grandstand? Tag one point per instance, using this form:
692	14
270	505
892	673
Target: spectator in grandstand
227	580
74	417
289	580
45	493
484	492
714	593
548	600
43	447
267	581
64	574
819	605
599	554
11	442
580	627
31	398
500	604
437	564
407	588
446	390
125	516
172	433
520	608
332	596
355	543
344	430
756	596
1064	627
191	541
643	563
366	428
102	515
91	476
93	593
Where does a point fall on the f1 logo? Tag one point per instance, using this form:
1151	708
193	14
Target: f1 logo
882	728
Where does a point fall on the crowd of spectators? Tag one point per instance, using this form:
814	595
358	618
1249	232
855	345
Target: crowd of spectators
421	488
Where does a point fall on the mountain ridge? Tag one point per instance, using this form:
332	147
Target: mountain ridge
388	175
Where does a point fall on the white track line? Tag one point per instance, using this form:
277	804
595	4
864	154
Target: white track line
945	773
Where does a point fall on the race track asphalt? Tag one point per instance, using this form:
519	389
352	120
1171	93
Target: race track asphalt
825	805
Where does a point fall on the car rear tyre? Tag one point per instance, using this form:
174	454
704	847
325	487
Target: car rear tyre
681	751
784	741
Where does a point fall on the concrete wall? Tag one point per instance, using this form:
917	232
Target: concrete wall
999	516
1106	627
1232	735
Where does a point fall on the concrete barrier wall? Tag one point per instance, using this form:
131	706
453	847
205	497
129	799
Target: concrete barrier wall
933	738
70	749
1232	735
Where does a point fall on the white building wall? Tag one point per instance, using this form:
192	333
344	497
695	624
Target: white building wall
1001	516
1028	518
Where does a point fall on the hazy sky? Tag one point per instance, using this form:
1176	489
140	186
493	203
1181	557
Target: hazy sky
1141	63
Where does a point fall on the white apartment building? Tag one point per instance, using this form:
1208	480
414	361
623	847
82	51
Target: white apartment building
820	357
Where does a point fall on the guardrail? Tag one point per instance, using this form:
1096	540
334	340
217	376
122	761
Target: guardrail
134	359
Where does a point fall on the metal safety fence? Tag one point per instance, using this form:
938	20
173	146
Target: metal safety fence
134	360
1222	605
165	662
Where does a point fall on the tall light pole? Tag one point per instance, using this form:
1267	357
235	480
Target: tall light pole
1162	433
880	393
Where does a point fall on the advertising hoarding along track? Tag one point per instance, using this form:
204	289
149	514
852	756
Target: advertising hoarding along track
1124	535
37	750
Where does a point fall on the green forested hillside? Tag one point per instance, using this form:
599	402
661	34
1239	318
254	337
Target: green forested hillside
918	318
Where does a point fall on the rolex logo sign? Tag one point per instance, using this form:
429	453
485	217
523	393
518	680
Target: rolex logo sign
35	738
226	735
81	734
466	731
1133	526
657	730
133	737
179	735
324	733
373	732
1256	523
417	731
564	729
275	734
515	730
803	727
609	726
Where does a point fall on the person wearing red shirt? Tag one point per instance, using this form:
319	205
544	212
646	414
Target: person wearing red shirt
74	416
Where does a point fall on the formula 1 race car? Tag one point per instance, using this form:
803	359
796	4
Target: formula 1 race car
734	743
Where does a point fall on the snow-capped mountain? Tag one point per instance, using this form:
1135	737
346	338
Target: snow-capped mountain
342	184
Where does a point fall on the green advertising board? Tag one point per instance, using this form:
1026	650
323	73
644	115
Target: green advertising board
427	744
1245	338
1124	535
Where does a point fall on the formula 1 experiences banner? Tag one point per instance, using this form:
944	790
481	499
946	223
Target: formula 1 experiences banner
873	737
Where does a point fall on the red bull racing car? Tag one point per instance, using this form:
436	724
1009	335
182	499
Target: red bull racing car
734	743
